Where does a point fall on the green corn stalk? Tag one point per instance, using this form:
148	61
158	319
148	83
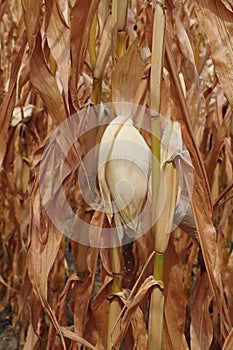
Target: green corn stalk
119	16
157	298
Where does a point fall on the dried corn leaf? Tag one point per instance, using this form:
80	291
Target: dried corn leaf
202	216
217	22
73	336
228	4
58	36
127	76
23	113
132	306
45	83
7	107
31	339
174	313
228	344
201	329
32	14
228	285
192	84
104	50
214	153
81	19
85	289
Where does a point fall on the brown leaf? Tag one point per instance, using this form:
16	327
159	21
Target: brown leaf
202	214
127	75
195	98
217	22
32	13
228	344
81	19
214	153
42	252
132	306
201	330
85	289
58	36
228	285
73	336
45	83
6	108
31	339
43	249
175	309
228	4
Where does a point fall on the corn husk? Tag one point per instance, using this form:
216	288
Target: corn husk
123	172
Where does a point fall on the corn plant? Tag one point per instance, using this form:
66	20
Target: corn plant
108	108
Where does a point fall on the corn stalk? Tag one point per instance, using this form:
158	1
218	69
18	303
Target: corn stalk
119	17
157	298
98	63
119	20
115	287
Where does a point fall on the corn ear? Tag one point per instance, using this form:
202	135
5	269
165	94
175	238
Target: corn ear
117	161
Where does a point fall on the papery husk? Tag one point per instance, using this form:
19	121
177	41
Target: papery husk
118	160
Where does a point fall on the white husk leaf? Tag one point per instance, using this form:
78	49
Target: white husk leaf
123	172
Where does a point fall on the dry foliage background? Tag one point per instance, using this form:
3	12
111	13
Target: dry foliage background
46	75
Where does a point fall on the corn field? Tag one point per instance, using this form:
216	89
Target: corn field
110	272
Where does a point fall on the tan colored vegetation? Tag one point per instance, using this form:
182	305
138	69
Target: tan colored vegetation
57	58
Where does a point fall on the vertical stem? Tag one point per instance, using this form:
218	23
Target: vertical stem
53	64
158	267
119	17
114	307
155	326
92	40
155	144
158	46
96	91
121	43
119	20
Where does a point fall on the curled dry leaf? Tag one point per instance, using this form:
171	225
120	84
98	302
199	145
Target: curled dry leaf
132	307
45	83
58	36
81	19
